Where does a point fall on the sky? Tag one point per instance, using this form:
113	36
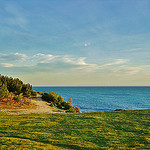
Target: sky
76	42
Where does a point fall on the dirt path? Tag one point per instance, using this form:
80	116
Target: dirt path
41	107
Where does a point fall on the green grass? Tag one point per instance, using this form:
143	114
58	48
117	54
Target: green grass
102	130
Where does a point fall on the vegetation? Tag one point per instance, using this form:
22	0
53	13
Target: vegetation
4	93
16	86
58	101
17	97
14	93
88	131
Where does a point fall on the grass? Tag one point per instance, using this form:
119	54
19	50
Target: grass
101	130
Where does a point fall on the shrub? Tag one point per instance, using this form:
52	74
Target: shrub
55	100
46	97
66	105
39	92
34	94
71	110
3	91
77	109
17	98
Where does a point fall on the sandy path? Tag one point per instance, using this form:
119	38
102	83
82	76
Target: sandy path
42	107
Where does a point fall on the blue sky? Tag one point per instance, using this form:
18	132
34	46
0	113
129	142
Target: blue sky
76	42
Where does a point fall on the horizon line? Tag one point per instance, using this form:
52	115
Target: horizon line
90	85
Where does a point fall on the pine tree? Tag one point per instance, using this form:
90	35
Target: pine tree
3	91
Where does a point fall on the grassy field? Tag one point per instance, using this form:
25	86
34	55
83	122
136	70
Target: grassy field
102	130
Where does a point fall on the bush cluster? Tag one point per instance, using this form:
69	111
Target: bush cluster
56	100
9	84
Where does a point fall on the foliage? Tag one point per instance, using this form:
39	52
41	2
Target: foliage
70	101
52	97
39	92
58	101
66	105
88	131
77	109
27	89
34	94
16	86
3	91
17	97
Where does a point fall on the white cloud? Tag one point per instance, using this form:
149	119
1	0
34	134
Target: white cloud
115	62
43	58
80	64
55	63
130	70
22	56
6	65
12	57
79	61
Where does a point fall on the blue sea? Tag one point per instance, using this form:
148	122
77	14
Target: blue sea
94	99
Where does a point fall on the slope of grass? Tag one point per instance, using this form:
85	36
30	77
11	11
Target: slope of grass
101	130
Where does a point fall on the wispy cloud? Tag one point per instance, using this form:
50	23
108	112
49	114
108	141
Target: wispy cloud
79	61
80	64
115	62
133	50
43	58
6	65
16	15
131	70
12	57
56	63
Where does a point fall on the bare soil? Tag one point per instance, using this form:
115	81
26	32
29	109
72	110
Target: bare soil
37	106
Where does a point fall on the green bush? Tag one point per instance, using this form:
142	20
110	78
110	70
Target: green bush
15	85
66	105
39	92
34	94
46	97
71	110
17	98
3	91
55	100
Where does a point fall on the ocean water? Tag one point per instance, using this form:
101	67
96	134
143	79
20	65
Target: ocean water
94	99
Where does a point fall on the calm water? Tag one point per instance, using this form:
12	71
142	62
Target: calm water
92	99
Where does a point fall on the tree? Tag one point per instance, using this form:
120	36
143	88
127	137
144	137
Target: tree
3	91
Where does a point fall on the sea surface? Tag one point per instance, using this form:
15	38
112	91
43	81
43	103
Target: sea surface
94	99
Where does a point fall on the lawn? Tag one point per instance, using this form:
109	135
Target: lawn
101	130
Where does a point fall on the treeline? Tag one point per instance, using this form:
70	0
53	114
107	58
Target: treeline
56	100
15	86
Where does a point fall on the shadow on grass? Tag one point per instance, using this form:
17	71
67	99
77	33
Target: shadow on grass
5	134
74	147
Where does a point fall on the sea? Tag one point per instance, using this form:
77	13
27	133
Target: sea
96	99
